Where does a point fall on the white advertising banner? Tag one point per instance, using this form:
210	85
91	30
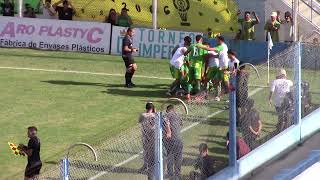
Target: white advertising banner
61	35
151	43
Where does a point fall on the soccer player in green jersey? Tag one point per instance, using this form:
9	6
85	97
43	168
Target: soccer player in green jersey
222	75
196	56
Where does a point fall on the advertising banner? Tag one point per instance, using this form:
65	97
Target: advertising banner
151	43
56	35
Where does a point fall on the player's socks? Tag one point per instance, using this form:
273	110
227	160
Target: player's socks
127	78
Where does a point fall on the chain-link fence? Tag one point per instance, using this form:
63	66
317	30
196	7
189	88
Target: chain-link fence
133	153
269	108
310	75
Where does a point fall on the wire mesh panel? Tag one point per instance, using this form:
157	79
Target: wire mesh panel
204	124
264	109
310	73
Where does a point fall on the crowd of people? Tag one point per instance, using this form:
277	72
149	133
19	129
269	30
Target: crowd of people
63	10
197	67
276	26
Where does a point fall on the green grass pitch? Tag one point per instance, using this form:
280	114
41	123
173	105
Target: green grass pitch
85	101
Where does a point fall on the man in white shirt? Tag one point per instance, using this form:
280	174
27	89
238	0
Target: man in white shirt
233	63
279	91
48	11
179	68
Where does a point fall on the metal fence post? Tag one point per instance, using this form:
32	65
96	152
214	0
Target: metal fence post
232	126
158	148
297	79
65	169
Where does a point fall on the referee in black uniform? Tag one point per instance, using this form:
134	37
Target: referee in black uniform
127	50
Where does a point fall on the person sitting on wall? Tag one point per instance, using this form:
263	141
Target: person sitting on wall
112	18
7	8
65	12
29	12
124	19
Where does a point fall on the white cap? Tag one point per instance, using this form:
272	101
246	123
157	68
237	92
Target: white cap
274	14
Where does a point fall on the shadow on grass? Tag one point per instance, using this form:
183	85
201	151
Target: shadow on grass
121	151
101	167
51	162
145	86
136	93
74	83
273	113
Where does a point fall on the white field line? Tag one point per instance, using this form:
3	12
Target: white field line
81	72
138	76
183	130
91	73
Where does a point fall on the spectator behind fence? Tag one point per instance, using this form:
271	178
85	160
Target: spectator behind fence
242	148
147	121
34	165
7	8
272	26
251	124
48	10
173	142
247	24
65	12
204	163
124	19
29	11
278	92
242	91
286	31
112	18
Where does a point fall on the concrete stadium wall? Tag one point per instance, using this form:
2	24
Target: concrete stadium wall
273	148
288	174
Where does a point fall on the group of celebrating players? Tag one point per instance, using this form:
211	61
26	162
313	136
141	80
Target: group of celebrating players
197	67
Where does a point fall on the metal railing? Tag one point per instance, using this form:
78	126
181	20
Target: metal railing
314	6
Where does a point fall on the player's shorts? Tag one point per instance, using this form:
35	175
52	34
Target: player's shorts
226	76
33	169
212	73
175	73
195	71
128	60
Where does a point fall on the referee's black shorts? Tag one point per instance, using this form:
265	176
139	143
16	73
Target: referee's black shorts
128	60
33	169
